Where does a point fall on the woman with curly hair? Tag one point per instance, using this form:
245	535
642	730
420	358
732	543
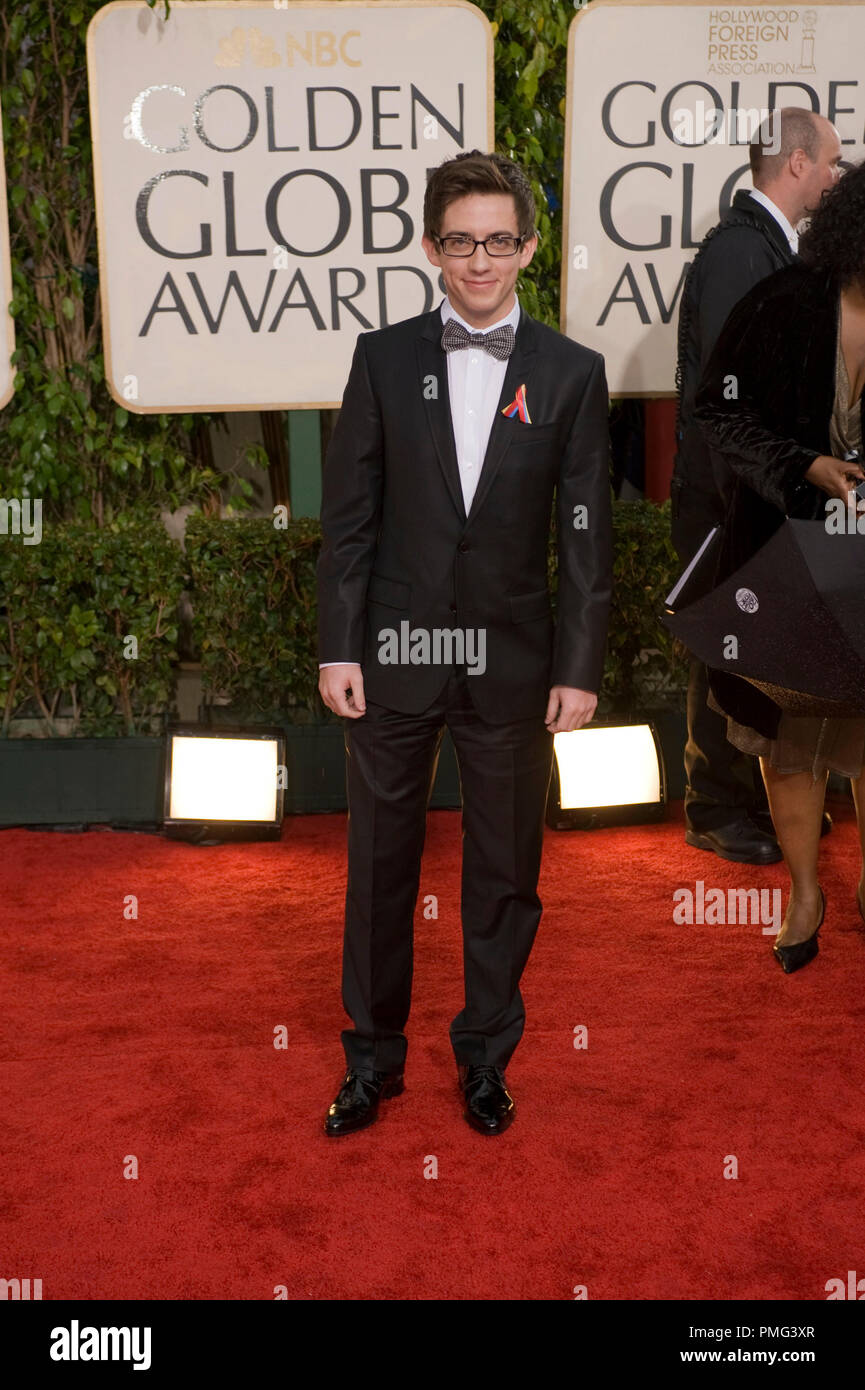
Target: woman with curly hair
795	349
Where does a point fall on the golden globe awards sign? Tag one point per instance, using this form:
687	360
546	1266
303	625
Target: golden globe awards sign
662	100
7	323
259	172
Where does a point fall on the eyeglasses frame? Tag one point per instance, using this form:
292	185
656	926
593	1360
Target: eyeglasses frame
503	255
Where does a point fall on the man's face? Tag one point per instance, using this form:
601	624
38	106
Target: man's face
824	172
480	287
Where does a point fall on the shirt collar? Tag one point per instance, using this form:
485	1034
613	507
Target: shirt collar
786	227
449	312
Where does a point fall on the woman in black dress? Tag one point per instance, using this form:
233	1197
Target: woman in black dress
794	349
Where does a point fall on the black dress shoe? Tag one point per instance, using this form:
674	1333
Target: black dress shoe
794	957
489	1104
763	821
741	841
356	1105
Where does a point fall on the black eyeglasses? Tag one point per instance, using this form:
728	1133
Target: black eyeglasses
464	246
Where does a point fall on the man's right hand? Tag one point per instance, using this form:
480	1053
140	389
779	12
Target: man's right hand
835	476
341	689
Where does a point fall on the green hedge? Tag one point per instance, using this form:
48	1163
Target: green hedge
70	603
68	607
252	587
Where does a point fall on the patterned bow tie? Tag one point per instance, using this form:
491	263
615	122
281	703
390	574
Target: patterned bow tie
499	341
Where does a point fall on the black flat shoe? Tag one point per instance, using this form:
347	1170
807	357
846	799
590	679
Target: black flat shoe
489	1104
356	1105
742	842
794	957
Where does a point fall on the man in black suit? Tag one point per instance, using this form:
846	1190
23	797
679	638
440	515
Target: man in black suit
794	156
458	428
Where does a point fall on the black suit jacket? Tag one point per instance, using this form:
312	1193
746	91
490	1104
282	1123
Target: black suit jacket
397	544
779	347
746	246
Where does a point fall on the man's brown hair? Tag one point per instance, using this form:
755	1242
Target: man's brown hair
476	172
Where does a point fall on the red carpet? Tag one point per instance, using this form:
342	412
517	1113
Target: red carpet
154	1038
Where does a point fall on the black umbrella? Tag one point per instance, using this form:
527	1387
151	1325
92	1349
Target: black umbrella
791	620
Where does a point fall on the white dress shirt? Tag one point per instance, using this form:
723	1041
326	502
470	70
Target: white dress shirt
475	381
786	227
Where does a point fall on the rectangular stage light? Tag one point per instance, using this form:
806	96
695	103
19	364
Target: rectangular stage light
224	783
607	774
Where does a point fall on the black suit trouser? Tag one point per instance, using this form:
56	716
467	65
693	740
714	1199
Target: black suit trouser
723	783
391	760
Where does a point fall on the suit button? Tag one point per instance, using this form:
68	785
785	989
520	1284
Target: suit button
454	609
463	547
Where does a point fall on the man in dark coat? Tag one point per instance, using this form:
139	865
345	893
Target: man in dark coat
725	801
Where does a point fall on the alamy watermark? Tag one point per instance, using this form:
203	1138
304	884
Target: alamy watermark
735	906
77	1343
26	518
712	125
437	646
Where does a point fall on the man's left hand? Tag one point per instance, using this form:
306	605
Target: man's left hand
569	708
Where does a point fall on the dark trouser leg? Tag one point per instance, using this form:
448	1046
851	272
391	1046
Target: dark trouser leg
391	760
723	784
504	774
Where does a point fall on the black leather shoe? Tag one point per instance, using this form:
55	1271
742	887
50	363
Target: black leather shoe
489	1104
741	841
794	957
356	1105
763	821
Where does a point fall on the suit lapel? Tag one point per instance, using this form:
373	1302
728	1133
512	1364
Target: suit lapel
432	360
518	372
